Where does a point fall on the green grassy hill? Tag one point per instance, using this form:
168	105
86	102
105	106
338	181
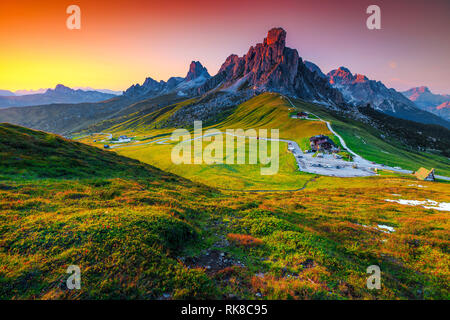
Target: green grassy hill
139	233
64	202
264	111
141	115
28	153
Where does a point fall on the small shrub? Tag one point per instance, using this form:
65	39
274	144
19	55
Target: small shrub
244	240
267	226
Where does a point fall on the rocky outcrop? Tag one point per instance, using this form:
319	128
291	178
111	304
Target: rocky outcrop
314	68
196	70
271	66
357	89
196	76
426	100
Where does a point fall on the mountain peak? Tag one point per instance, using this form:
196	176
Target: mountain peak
421	89
276	36
341	75
196	69
344	69
360	78
271	66
60	88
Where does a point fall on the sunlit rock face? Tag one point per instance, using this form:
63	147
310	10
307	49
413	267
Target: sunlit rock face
271	66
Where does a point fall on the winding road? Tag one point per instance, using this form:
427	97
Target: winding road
359	159
326	165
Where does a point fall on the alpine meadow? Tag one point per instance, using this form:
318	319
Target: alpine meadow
267	179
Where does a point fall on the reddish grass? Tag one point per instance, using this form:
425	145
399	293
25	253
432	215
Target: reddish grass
244	240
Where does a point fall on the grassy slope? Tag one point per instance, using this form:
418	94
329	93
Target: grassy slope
367	142
270	111
136	236
27	153
63	203
63	118
263	112
140	116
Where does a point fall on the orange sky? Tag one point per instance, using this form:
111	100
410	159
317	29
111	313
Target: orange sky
122	42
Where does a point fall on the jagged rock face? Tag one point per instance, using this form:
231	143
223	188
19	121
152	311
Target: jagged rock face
265	66
442	110
422	97
196	70
271	66
357	89
445	105
314	68
149	87
195	77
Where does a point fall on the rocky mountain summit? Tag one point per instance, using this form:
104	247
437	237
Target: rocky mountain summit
426	100
196	70
271	66
196	76
357	89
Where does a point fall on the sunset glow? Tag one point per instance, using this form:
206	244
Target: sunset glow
122	42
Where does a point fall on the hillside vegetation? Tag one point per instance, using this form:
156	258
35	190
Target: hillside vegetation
264	111
27	153
375	145
153	235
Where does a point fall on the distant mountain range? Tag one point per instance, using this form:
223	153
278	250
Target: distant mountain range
39	91
359	90
268	66
7	93
438	104
61	94
196	76
27	92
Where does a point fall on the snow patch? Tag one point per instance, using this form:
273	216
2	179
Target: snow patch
385	228
428	204
380	227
